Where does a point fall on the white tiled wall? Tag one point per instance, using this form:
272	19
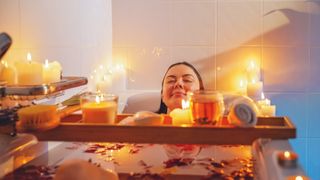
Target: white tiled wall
218	37
77	33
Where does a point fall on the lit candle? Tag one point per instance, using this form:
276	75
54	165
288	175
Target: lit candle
51	72
253	72
29	72
266	109
242	88
119	79
8	74
297	178
254	89
264	101
181	116
102	110
104	84
287	159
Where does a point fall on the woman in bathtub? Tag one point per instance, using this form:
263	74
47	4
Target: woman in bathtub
179	79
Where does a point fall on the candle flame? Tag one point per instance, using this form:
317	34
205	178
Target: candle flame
241	83
287	154
299	178
97	99
46	63
5	64
29	57
253	81
262	96
252	64
185	104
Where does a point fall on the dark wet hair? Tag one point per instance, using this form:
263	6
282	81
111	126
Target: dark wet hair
163	107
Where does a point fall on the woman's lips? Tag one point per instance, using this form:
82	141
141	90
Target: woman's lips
178	94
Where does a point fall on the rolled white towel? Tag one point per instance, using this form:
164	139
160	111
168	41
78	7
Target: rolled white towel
243	114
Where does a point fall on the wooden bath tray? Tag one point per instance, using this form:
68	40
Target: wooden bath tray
71	130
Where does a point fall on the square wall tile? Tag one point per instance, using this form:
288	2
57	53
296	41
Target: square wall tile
299	146
295	107
193	23
147	66
313	158
314	80
141	22
231	66
202	58
314	23
239	23
46	23
285	69
313	115
285	23
96	23
10	20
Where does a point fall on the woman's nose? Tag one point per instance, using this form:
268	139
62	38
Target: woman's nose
179	83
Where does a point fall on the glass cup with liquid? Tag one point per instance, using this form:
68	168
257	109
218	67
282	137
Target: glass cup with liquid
207	106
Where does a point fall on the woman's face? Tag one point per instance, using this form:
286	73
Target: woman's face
178	81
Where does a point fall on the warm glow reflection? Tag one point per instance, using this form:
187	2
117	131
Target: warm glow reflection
241	84
262	96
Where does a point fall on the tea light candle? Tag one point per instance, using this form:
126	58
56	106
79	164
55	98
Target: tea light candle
181	116
254	89
8	74
51	72
297	178
287	159
29	72
99	111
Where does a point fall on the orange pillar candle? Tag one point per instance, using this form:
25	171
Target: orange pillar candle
102	110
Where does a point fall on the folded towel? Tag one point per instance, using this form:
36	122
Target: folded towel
243	113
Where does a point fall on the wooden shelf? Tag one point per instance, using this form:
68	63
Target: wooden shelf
71	130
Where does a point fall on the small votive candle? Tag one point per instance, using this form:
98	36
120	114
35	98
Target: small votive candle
298	178
99	108
268	110
181	116
254	90
287	159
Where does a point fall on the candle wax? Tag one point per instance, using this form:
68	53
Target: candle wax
102	112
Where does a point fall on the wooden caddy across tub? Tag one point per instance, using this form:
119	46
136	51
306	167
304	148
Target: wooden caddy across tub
71	129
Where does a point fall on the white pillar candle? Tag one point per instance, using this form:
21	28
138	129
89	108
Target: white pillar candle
254	90
253	72
51	72
8	74
264	101
268	110
242	90
29	72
